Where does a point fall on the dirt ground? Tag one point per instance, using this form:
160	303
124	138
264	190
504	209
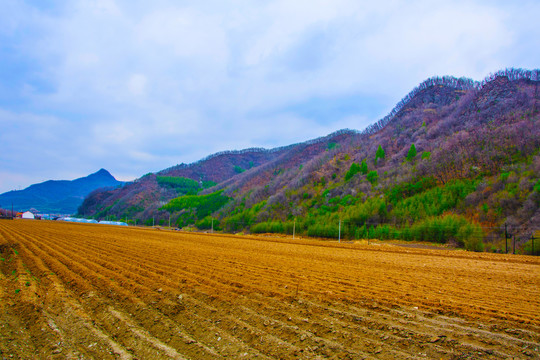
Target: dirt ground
88	291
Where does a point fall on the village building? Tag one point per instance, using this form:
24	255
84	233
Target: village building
28	215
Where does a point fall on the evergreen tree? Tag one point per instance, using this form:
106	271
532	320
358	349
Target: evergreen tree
363	167
412	153
380	154
353	170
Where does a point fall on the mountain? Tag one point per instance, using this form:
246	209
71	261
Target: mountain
455	161
142	198
58	196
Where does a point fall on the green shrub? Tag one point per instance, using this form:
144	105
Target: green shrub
206	223
405	190
203	205
353	170
372	176
323	230
432	202
472	237
437	229
181	184
443	229
238	169
208	184
276	227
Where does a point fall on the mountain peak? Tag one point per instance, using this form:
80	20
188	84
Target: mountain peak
59	196
102	173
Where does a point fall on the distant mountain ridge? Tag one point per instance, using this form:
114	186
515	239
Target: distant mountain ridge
58	196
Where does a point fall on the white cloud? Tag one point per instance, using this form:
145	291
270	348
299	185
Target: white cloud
444	38
137	84
35	144
183	33
134	86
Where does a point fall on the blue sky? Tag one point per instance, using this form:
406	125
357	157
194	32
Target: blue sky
137	86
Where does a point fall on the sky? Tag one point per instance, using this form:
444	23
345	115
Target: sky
135	86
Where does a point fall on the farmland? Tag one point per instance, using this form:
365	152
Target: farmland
92	291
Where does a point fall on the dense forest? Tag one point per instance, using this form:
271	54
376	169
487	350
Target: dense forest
455	162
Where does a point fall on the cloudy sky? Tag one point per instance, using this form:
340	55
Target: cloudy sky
134	88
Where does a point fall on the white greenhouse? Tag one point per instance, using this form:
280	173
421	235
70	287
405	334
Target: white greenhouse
121	223
78	220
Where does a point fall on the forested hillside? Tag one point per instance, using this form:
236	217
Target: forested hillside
144	198
455	161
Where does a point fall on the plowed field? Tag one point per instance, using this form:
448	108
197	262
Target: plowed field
96	291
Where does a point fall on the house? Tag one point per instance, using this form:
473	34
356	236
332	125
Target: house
28	215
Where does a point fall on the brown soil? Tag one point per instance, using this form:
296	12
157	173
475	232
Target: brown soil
72	291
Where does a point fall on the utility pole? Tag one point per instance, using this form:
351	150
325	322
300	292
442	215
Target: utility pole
339	231
212	231
153	222
367	231
294	228
532	244
506	239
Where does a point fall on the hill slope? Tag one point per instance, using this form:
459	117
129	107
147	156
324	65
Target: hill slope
58	196
455	161
142	198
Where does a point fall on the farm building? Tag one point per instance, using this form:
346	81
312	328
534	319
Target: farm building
28	215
